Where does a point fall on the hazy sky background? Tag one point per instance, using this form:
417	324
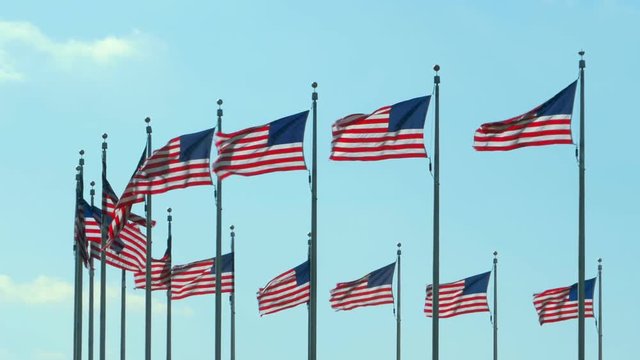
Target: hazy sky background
70	71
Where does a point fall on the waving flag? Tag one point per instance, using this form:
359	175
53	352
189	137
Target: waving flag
562	303
160	274
93	233
276	146
391	132
285	291
199	278
370	290
547	124
461	297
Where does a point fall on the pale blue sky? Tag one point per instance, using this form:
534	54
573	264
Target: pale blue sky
70	71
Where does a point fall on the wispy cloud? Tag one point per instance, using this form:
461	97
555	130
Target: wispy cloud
42	290
48	355
17	36
48	290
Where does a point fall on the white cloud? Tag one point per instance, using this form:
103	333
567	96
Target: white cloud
47	290
17	37
48	355
43	290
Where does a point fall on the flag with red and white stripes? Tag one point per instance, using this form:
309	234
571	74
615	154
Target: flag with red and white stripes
276	146
562	303
182	163
391	132
461	297
199	278
160	274
547	124
287	290
370	290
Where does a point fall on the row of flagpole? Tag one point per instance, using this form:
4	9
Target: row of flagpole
313	246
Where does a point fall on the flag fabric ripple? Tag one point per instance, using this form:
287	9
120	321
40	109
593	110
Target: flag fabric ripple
286	290
370	290
547	124
460	297
562	303
391	132
199	278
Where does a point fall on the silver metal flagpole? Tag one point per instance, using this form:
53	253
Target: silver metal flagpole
77	326
103	256
436	220
218	193
123	318
92	192
313	294
581	216
398	309
599	309
495	305
147	287
169	251
232	296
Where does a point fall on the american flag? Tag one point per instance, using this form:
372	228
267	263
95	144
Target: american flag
183	162
93	232
461	297
391	132
285	291
79	227
160	274
562	303
199	278
547	124
370	290
276	146
128	253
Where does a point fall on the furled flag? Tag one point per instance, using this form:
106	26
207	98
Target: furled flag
547	124
562	303
461	297
199	278
285	291
160	274
276	146
391	132
183	162
128	253
79	228
370	290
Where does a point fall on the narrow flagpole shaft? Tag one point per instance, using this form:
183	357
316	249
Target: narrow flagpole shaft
436	221
313	295
398	311
147	284
103	256
123	318
495	305
77	326
169	251
91	284
218	265
599	309
232	298
581	223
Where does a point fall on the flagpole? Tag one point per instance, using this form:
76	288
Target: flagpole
77	326
218	193
495	305
103	256
92	192
169	240
123	306
436	220
599	309
232	300
398	310
581	218
147	287
313	294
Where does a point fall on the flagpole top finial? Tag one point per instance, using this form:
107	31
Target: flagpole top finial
232	227
81	152
581	53
314	84
436	67
92	183
495	253
78	168
147	119
399	251
169	210
219	102
599	260
105	136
